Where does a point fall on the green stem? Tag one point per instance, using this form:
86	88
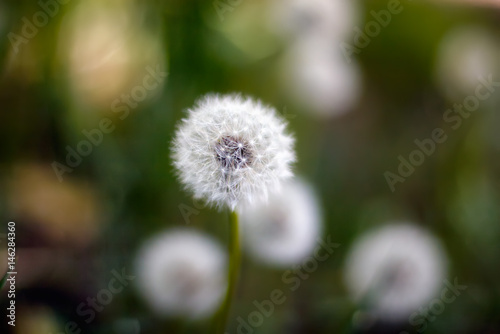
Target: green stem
233	271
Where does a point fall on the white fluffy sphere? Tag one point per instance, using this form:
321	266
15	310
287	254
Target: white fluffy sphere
182	273
283	230
232	150
395	269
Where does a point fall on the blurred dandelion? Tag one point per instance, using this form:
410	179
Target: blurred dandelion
181	273
465	55
395	269
303	18
314	73
283	230
317	77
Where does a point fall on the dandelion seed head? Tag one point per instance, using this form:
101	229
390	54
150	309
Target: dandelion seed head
283	230
318	78
181	273
232	150
395	269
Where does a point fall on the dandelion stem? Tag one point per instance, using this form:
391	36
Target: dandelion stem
233	271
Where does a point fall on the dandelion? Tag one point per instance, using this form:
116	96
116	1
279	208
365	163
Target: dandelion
465	55
284	230
334	19
232	150
315	73
181	273
317	77
395	270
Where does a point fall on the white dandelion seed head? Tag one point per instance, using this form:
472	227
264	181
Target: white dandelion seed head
317	77
232	150
283	230
181	273
465	55
395	269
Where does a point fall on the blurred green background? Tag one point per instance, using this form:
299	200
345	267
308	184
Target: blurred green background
70	235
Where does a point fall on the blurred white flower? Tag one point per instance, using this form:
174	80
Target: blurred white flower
465	55
181	273
331	18
232	150
318	78
283	230
395	270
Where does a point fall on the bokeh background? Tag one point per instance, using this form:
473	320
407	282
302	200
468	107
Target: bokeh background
352	118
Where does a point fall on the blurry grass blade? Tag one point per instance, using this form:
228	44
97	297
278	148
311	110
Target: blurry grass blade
4	279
